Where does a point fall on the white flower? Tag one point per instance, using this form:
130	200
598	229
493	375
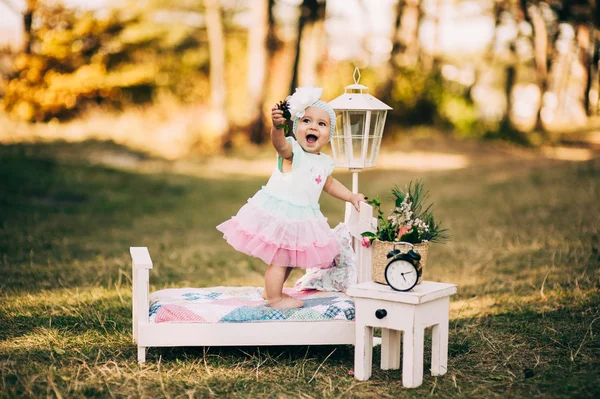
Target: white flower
421	226
302	99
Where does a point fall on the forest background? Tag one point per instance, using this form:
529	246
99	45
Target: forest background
189	77
145	123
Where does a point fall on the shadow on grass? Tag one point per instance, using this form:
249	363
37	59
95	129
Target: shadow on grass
83	315
534	353
67	222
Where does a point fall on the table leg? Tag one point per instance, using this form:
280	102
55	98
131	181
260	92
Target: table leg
439	348
412	357
390	349
363	352
142	354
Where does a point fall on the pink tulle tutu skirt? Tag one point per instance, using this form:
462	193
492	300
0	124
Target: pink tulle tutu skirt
281	233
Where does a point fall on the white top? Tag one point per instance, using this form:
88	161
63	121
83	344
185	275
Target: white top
304	184
424	292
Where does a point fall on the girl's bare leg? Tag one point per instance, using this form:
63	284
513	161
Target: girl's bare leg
288	270
274	279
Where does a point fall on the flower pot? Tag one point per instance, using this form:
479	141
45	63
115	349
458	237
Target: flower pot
380	259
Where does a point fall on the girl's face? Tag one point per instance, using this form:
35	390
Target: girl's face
312	132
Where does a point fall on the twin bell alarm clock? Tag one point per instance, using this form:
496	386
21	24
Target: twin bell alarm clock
403	271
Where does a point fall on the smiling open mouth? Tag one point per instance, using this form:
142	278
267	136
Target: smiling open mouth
311	138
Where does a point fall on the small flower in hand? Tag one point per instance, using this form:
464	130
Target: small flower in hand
284	107
295	105
366	242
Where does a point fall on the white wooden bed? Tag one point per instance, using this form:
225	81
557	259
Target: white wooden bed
333	332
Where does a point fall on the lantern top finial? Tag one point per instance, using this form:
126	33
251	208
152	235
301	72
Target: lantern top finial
356	86
356	75
357	97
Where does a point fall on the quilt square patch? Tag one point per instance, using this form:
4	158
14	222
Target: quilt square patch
244	305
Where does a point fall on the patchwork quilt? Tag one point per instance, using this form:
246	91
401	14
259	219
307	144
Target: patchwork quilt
244	305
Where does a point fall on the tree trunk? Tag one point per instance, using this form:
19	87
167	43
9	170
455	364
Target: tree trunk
583	41
540	51
397	46
510	82
273	42
490	58
27	20
540	45
409	26
313	52
596	58
310	12
216	46
257	64
430	61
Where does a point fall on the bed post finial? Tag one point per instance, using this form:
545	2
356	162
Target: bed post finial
141	265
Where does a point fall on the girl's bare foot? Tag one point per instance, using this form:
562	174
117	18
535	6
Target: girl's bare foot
286	302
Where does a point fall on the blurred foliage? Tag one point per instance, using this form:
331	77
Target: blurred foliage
419	97
415	96
81	58
146	50
426	98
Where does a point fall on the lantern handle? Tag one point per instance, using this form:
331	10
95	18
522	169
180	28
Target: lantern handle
356	75
356	86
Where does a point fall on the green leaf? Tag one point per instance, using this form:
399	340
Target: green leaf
375	201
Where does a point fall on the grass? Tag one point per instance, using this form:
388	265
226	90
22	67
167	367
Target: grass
524	253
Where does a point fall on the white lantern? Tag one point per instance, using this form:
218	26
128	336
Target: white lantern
359	128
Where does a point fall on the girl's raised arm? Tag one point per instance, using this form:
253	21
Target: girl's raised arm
283	147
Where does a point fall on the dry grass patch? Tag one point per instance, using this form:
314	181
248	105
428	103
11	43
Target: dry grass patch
525	253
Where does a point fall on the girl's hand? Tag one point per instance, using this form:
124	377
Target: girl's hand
277	117
355	199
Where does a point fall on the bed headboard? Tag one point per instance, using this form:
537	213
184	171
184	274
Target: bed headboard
358	223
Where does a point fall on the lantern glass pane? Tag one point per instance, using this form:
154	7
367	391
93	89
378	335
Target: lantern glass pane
337	141
357	138
356	126
375	134
369	137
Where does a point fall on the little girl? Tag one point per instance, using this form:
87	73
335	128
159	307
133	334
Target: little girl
282	223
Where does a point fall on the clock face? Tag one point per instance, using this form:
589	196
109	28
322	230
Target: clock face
401	275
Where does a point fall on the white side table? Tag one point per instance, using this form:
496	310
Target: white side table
378	305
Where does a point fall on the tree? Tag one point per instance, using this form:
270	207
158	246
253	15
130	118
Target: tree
258	56
397	47
75	59
312	14
27	21
532	15
216	44
581	16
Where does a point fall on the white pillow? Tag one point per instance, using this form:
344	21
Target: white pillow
341	275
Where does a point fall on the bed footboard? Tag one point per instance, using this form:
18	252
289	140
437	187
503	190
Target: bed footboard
141	265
